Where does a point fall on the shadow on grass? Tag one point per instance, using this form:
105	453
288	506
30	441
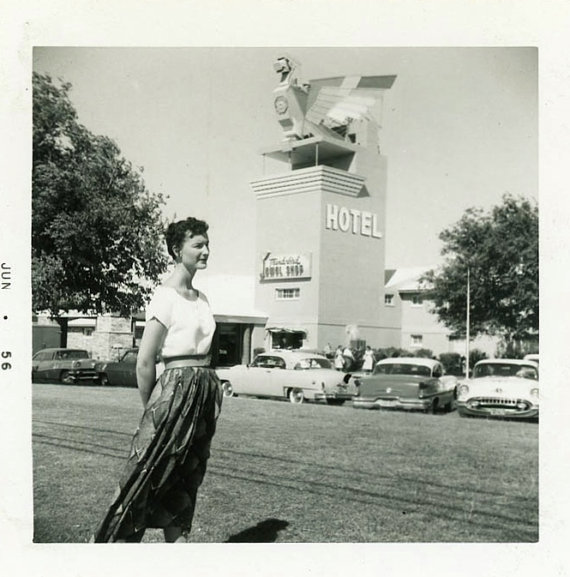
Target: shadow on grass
264	532
443	500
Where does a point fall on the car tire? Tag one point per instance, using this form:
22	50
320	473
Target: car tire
296	396
433	407
449	406
104	380
66	378
336	402
227	389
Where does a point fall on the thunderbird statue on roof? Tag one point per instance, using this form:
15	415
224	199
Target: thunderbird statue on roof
332	107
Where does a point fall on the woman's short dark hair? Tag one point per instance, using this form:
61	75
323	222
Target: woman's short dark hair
176	233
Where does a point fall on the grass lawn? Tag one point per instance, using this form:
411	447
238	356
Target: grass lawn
297	473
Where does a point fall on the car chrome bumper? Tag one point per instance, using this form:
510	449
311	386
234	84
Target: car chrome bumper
411	404
84	375
340	396
501	412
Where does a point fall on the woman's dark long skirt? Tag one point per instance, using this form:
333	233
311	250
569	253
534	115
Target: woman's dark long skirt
168	457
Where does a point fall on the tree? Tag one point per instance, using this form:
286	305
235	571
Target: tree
500	249
97	232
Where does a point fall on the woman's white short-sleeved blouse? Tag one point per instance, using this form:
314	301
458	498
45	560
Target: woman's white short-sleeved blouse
190	324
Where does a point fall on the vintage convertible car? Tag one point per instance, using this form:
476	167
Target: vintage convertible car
406	383
506	388
65	365
295	375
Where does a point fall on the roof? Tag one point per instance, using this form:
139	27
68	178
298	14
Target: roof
92	322
527	362
292	354
52	350
231	298
409	360
407	279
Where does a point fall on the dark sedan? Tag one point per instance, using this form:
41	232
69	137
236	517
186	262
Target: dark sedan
406	383
120	373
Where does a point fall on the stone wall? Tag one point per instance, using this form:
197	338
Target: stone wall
109	339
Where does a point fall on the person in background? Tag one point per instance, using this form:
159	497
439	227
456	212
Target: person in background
328	351
348	358
338	359
171	446
369	360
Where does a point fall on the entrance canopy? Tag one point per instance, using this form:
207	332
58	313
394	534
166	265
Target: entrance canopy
286	331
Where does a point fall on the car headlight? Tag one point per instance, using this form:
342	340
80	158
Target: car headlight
534	393
463	390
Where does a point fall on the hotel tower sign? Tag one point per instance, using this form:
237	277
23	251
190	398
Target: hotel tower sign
350	219
320	224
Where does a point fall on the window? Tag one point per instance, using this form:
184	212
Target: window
389	300
283	294
417	301
129	357
268	362
313	364
402	369
71	354
416	340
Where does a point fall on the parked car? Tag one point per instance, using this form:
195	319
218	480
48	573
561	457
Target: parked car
64	365
295	375
505	388
406	383
531	357
120	373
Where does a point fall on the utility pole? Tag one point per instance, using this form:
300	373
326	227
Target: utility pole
467	335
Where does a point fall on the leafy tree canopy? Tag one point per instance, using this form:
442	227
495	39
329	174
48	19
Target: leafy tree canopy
500	249
97	232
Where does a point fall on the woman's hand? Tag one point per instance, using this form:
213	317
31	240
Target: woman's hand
151	343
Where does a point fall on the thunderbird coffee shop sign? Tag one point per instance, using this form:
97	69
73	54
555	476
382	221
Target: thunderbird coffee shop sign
286	266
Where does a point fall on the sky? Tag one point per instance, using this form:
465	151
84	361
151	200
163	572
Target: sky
459	129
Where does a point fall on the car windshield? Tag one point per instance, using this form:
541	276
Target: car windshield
313	363
402	369
269	362
63	355
129	357
505	370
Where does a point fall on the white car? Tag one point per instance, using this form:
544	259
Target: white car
531	357
506	388
295	375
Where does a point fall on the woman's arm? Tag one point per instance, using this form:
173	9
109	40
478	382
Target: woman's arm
151	342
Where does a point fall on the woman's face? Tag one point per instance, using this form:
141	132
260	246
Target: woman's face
195	251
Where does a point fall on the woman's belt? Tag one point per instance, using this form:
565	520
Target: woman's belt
187	361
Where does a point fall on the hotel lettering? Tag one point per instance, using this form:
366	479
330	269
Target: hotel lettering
352	220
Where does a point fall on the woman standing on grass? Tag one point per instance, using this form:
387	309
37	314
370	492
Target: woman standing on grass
171	446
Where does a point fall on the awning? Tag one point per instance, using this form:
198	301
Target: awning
83	323
284	330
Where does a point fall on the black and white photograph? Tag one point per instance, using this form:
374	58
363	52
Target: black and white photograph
283	303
